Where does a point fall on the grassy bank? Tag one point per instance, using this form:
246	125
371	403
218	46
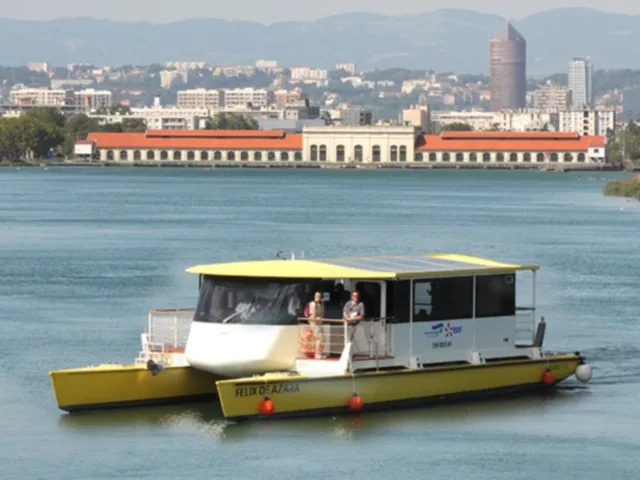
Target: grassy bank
624	188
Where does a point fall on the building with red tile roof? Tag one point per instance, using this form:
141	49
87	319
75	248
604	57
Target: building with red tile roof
200	145
349	144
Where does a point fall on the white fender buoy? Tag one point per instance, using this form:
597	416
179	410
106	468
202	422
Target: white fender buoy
584	372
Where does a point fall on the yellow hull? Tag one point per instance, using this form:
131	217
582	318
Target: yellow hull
300	396
109	386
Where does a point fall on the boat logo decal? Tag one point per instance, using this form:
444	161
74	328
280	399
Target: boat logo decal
439	329
451	330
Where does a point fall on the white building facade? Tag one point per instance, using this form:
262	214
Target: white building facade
93	99
41	96
587	121
552	98
305	74
257	97
366	144
200	98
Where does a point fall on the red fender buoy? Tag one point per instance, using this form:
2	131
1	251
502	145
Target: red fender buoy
548	378
355	402
266	406
307	340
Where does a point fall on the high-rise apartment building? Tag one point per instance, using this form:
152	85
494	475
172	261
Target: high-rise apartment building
508	67
93	99
200	98
257	97
587	121
552	98
41	96
581	82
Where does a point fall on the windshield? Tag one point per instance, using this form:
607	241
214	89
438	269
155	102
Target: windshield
261	301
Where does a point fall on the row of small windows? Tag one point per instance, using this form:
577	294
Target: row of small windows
204	155
320	154
500	157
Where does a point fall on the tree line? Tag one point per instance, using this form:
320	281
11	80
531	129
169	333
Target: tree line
623	146
40	131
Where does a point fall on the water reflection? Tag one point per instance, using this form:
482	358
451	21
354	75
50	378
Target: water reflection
207	418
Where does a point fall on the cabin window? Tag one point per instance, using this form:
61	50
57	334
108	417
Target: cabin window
399	301
254	301
443	299
495	295
370	295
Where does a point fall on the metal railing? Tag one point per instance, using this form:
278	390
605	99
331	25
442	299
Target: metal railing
371	338
525	325
166	333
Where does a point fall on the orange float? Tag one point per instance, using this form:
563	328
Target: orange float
356	403
548	378
266	406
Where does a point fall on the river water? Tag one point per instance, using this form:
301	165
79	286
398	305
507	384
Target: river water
84	253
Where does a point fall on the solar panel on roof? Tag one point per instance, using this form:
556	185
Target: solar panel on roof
408	264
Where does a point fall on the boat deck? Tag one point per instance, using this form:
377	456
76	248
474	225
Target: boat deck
335	358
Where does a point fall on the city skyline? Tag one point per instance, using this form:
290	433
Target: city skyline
280	10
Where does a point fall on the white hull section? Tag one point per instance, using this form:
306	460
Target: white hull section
233	350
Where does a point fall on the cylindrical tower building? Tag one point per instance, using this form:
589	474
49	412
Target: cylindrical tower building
508	58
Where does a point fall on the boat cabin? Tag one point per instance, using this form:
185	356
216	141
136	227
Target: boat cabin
419	310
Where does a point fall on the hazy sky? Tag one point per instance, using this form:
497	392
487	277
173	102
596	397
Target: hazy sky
269	11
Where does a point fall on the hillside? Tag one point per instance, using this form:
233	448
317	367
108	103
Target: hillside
441	40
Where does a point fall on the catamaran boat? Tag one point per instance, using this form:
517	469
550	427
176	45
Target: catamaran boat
436	327
160	373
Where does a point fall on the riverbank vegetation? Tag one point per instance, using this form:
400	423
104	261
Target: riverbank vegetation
623	146
46	132
624	188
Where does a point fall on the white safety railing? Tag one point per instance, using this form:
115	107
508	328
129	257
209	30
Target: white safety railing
370	338
166	333
525	326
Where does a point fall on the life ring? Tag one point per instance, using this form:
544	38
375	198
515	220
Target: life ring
307	342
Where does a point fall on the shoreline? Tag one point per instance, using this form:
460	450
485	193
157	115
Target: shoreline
316	165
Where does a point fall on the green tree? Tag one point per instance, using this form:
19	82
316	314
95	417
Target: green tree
231	121
114	110
76	128
134	125
457	127
49	115
29	137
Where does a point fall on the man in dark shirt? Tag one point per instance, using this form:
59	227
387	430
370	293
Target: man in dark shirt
353	313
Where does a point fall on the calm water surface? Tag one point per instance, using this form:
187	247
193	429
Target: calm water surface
84	253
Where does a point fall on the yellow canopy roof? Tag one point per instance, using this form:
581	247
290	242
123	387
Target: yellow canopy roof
385	267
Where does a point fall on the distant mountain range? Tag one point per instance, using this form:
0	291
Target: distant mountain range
443	40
